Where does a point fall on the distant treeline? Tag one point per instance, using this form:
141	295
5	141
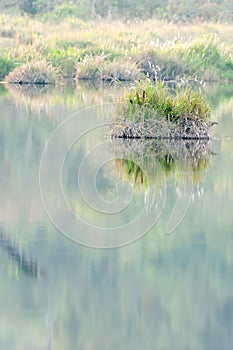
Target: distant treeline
172	10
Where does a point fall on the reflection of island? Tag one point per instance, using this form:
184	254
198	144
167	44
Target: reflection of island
26	264
145	162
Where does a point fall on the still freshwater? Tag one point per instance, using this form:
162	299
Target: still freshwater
162	211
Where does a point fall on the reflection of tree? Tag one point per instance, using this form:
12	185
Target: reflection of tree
24	263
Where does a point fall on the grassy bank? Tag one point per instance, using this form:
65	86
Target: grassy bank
116	50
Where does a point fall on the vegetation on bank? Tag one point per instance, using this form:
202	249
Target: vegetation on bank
117	50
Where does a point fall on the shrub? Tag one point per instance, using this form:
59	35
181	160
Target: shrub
65	10
28	6
6	65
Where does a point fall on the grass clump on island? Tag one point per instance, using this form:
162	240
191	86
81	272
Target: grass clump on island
169	104
152	110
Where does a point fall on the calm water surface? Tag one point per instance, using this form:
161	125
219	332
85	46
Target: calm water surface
160	292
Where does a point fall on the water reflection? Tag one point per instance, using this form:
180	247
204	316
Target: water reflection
158	293
40	99
177	159
24	263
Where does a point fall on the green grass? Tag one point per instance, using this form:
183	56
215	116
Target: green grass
149	99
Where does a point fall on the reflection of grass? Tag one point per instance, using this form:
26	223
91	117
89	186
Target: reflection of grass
43	98
3	90
148	164
131	172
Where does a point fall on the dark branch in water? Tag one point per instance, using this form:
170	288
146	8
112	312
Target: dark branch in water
28	265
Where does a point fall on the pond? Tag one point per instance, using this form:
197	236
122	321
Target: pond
110	244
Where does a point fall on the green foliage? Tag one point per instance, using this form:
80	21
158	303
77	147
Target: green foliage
28	6
6	65
64	60
177	11
206	53
65	10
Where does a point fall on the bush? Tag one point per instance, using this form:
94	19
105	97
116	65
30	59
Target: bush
6	65
28	6
65	10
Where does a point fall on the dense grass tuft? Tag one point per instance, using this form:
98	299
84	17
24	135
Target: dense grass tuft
99	67
172	105
38	72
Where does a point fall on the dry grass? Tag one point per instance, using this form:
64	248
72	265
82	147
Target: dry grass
99	67
35	72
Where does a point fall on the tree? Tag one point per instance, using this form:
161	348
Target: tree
28	6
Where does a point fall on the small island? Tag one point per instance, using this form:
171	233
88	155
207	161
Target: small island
152	111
